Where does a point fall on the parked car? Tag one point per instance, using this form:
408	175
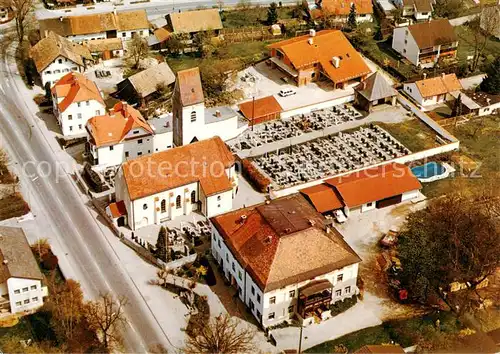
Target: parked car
390	238
287	92
339	215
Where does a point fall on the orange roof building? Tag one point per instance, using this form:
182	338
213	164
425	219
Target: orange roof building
75	100
284	260
439	89
261	110
326	54
195	177
340	9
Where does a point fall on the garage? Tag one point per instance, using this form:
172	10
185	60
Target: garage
389	201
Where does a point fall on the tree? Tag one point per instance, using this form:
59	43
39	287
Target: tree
161	244
137	49
175	44
220	4
351	20
457	106
397	14
272	14
456	238
21	9
449	8
362	35
220	335
66	301
482	29
203	43
491	83
105	316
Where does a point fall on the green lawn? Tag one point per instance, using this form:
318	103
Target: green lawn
466	45
413	134
255	16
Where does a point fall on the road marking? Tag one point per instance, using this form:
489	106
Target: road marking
34	179
1	88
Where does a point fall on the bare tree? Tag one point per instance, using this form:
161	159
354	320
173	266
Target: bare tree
220	335
137	49
482	28
21	9
105	316
67	308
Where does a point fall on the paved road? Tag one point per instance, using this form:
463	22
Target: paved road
85	248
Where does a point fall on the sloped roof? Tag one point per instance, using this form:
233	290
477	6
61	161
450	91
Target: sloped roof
162	171
322	197
195	21
419	5
283	242
374	184
433	33
118	209
376	87
75	87
102	45
146	82
438	85
189	87
343	7
95	23
260	107
326	45
16	258
50	48
112	128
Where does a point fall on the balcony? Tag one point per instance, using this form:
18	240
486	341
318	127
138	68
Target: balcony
315	296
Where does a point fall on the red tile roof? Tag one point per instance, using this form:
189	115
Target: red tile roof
75	87
189	86
261	107
204	161
326	45
323	197
117	209
438	85
374	184
343	7
283	242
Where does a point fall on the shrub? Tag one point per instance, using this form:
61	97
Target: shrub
49	261
210	276
344	305
254	176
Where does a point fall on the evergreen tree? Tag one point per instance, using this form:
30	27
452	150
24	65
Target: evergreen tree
272	14
457	106
491	83
351	20
161	244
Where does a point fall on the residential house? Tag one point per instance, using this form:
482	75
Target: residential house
380	349
261	110
21	281
339	10
192	120
284	261
425	44
375	90
364	190
55	56
76	99
477	102
5	14
158	40
420	10
428	92
141	87
326	54
124	134
192	22
196	177
80	29
106	48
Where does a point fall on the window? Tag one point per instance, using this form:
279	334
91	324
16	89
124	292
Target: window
144	206
80	128
124	34
218	205
149	151
258	298
340	277
139	141
227	257
272	300
290	309
424	13
18	303
258	314
232	266
193	197
48	72
406	41
17	291
25	289
240	276
57	71
35	299
218	197
60	61
97	112
253	290
70	128
79	115
139	153
111	148
270	316
369	204
145	33
292	293
178	202
74	68
252	306
87	103
347	290
27	301
33	287
338	292
78	104
126	153
193	116
70	117
163	206
404	50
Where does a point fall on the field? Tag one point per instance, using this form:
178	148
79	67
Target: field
255	16
466	45
413	134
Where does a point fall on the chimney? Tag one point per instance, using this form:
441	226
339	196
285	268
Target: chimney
312	32
336	62
60	18
310	41
443	75
243	218
425	76
218	114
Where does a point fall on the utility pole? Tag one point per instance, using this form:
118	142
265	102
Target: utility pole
300	339
253	111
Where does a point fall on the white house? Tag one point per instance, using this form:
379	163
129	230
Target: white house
76	99
55	56
192	121
124	134
196	177
21	281
420	10
478	103
429	92
84	28
425	44
284	261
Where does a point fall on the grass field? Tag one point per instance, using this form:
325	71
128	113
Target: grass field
466	45
255	16
413	134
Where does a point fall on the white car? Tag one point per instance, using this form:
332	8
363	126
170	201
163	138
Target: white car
287	92
339	215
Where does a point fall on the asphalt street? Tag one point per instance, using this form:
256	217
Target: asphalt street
75	230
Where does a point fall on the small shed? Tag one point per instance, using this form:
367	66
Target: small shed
373	91
106	48
261	110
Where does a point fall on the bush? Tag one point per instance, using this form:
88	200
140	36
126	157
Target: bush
210	276
254	176
344	305
49	261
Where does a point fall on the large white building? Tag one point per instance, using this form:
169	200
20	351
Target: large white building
192	121
98	26
124	134
284	261
197	177
76	99
429	92
21	286
55	56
